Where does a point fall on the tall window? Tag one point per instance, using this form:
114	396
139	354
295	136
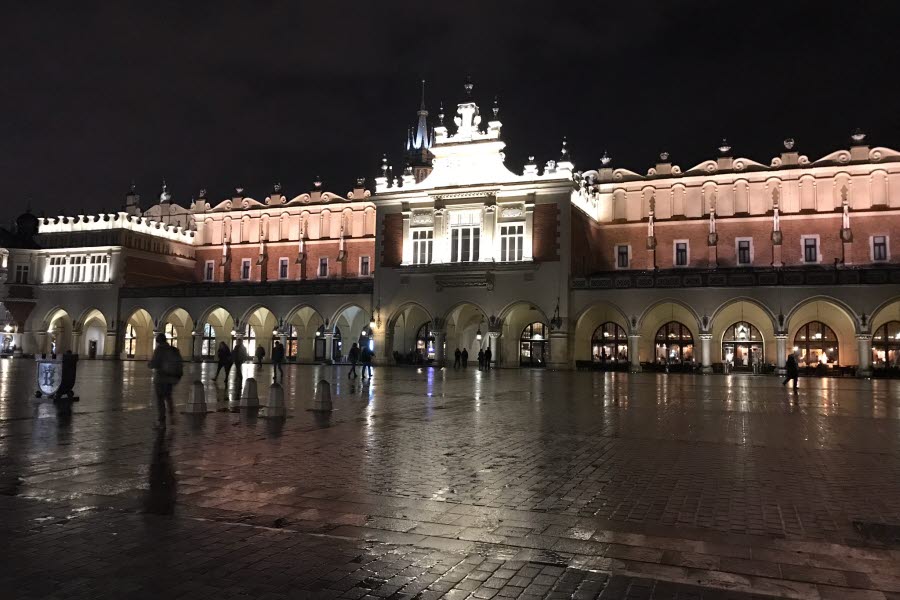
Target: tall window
245	269
816	344
674	344
364	266
465	235
886	346
423	240
208	346
171	335
533	345
742	346
512	238
130	340
57	264
681	254
425	342
290	350
323	266
879	248
743	252
810	250
282	268
609	344
21	273
622	256
209	270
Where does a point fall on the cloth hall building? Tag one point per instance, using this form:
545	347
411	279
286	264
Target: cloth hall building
729	264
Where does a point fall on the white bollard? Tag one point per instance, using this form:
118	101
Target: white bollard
275	404
249	397
197	405
323	396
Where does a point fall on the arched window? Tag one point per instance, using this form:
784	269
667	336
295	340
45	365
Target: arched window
816	344
674	344
250	340
130	340
742	346
425	342
171	335
609	344
290	350
208	345
886	346
533	345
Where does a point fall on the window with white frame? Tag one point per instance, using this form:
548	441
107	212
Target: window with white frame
465	235
744	249
623	256
810	248
323	266
879	248
209	270
55	270
512	241
245	269
365	268
21	274
282	268
99	268
682	253
423	242
79	268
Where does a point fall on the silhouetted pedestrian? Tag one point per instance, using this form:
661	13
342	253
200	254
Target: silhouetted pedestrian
353	358
239	355
277	361
366	358
457	359
487	358
260	355
792	370
480	358
465	357
224	359
166	361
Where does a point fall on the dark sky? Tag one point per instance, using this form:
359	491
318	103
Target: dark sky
249	93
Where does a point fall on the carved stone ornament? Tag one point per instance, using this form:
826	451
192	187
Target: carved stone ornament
777	238
422	218
512	212
651	242
846	235
712	239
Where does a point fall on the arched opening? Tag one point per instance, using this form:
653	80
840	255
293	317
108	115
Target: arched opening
59	332
409	329
259	331
178	327
675	346
743	346
609	346
139	342
304	327
534	345
886	348
321	344
466	329
93	336
816	347
353	321
218	327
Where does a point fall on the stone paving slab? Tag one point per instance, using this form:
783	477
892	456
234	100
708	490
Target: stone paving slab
671	486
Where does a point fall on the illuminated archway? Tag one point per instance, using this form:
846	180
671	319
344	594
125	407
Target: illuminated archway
302	325
217	327
409	328
516	319
259	326
589	322
466	328
534	345
886	347
59	332
609	345
742	346
840	322
655	351
178	327
674	344
138	338
93	335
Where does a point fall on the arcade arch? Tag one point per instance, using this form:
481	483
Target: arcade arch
409	329
513	347
590	321
302	329
659	315
466	327
178	328
259	325
217	326
93	336
836	318
740	326
59	327
138	339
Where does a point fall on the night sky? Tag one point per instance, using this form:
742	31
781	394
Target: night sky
251	93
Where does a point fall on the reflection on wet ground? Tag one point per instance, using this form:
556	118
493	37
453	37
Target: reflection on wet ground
429	483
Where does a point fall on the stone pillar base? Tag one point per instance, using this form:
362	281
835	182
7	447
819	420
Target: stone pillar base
864	372
635	369
706	370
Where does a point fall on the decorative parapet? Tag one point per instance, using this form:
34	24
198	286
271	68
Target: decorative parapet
114	221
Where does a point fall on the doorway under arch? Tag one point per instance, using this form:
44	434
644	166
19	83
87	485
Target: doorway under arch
534	345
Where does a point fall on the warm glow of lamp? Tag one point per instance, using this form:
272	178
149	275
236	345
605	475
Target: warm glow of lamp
372	324
7	328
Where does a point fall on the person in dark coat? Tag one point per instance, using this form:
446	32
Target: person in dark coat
792	370
277	361
481	358
465	357
225	361
366	358
457	359
167	364
487	358
353	358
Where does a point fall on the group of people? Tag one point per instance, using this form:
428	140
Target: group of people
461	358
359	355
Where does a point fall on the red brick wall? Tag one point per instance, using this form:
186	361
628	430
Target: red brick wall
392	240
545	239
145	272
587	246
306	270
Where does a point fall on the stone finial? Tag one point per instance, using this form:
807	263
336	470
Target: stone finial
858	136
789	144
724	147
663	156
605	159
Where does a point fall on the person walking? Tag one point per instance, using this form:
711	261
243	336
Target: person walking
353	358
225	361
260	355
457	359
366	358
792	370
487	358
480	358
277	361
239	356
465	358
166	362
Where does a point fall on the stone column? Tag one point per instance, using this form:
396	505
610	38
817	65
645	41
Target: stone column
196	342
634	356
780	352
439	337
706	353
329	347
494	345
76	342
111	345
864	343
559	349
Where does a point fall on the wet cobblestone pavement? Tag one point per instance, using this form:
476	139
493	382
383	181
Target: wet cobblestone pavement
429	484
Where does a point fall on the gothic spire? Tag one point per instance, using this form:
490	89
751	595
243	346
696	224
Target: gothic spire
421	140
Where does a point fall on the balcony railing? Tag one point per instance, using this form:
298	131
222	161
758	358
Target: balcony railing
242	288
757	277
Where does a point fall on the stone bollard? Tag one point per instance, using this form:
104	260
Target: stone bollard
249	398
323	397
197	405
275	405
